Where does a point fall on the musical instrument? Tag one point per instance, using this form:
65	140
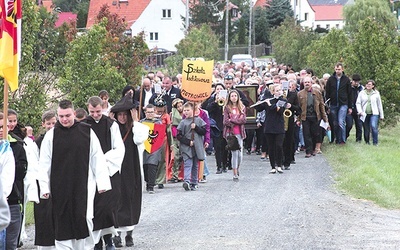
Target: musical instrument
261	102
287	113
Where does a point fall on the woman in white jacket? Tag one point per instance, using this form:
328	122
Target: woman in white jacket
369	108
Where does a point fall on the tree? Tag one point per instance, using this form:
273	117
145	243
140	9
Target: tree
363	9
199	42
278	11
88	70
288	40
322	54
261	26
68	5
125	53
31	97
374	53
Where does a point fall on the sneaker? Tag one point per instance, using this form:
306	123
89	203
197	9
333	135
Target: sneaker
128	241
194	187
287	167
186	186
219	171
258	152
203	180
279	169
151	190
235	178
307	156
224	170
117	241
248	152
273	171
160	186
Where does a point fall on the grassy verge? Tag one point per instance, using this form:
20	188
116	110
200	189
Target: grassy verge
369	172
29	214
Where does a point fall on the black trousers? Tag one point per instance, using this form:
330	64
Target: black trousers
275	149
311	133
150	172
261	143
288	144
249	138
351	119
219	147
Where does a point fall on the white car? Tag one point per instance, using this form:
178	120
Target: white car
239	58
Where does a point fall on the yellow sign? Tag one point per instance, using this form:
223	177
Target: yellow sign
196	79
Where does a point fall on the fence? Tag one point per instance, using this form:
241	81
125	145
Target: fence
157	60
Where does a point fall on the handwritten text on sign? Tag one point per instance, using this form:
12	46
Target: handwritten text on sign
196	79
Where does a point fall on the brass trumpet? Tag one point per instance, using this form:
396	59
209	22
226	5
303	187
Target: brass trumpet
221	102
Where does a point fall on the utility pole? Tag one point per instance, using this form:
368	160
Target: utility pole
226	30
250	25
187	17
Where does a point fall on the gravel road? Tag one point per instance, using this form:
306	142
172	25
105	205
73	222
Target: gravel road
299	209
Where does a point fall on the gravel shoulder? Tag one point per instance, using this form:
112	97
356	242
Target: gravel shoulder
299	209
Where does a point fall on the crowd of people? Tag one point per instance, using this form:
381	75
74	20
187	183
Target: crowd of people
85	173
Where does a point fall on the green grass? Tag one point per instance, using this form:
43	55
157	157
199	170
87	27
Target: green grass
29	214
369	172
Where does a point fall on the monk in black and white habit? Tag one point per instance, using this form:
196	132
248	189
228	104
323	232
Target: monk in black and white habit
106	204
71	165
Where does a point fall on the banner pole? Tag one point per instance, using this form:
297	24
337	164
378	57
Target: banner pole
5	110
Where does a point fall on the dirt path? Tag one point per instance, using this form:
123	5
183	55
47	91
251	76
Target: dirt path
299	209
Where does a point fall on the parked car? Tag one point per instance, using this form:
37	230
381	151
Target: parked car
239	58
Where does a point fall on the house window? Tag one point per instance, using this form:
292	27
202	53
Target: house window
318	26
337	26
234	13
153	36
328	26
305	16
166	13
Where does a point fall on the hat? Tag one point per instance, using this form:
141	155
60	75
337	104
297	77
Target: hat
176	101
124	104
127	88
356	77
269	82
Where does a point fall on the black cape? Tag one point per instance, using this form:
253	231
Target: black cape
131	183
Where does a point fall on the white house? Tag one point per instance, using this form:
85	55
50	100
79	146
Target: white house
162	23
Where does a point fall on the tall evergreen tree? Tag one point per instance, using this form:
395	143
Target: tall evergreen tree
278	11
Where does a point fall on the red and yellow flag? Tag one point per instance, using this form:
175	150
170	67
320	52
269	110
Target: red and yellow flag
10	41
157	135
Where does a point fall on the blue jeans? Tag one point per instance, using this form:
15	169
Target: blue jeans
3	239
191	170
371	125
338	115
13	230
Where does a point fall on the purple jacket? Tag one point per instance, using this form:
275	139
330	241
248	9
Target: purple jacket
230	122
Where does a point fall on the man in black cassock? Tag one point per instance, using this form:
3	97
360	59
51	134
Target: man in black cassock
71	165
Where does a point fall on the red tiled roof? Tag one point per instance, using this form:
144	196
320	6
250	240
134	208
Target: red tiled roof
328	12
47	4
261	3
130	10
65	17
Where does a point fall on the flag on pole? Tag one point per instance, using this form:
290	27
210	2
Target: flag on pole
157	135
10	41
